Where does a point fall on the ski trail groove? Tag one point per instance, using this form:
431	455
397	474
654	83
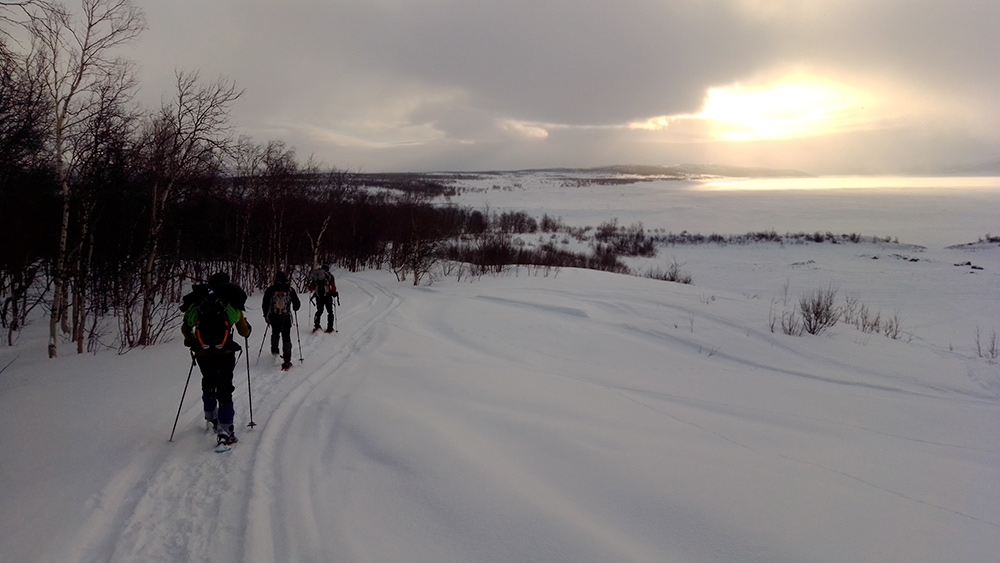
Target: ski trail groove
275	479
181	501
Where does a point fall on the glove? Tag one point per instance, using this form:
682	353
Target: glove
191	342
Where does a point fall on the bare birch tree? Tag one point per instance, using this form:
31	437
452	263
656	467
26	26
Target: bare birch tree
330	190
10	10
279	174
186	139
76	57
101	149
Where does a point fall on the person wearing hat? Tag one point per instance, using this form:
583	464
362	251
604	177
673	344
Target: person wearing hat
210	313
278	304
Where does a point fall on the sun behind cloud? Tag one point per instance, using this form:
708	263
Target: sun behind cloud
794	106
793	109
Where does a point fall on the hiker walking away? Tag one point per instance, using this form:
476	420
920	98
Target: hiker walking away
324	288
280	300
210	313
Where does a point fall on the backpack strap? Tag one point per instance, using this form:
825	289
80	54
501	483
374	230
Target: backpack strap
225	337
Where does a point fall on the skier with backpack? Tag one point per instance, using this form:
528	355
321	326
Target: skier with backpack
210	313
324	288
280	301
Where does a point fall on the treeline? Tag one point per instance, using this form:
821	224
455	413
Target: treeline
109	211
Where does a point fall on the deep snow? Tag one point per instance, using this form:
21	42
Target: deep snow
556	416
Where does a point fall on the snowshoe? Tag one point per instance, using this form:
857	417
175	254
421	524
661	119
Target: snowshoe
227	439
285	366
225	443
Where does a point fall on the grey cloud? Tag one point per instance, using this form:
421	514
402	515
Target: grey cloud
566	62
455	71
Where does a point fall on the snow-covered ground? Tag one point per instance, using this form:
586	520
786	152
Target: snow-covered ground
558	416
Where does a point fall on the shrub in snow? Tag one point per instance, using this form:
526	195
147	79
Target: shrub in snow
818	310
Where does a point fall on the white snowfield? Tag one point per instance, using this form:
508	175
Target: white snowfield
540	416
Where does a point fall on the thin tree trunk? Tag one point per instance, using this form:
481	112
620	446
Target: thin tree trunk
58	287
148	289
149	281
80	293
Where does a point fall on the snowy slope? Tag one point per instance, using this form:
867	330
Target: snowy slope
560	416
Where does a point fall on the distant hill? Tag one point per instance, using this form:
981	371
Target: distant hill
701	170
990	168
646	171
677	170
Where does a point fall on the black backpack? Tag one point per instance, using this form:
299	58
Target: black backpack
209	317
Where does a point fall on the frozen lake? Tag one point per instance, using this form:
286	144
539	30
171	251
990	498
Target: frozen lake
927	211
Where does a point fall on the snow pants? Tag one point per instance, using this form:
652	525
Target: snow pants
324	302
217	386
281	329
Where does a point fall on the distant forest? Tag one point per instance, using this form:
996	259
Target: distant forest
109	211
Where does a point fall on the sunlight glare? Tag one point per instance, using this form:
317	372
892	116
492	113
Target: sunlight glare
911	183
795	105
794	109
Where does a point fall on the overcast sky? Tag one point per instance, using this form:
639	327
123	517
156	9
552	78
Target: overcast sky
825	86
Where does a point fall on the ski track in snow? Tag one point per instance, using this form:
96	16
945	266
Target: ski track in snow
307	420
182	501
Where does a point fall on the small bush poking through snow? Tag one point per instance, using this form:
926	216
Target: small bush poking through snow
990	349
673	273
818	310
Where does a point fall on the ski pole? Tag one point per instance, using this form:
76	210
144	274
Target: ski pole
176	418
297	339
246	342
335	315
262	342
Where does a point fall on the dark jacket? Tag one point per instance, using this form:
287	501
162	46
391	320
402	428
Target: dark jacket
265	304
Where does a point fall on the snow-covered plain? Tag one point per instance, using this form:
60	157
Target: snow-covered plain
559	416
